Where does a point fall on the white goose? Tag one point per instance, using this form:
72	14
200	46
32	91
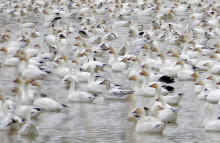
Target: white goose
211	124
183	73
10	121
115	93
214	94
168	71
152	126
117	66
28	128
78	96
46	103
20	109
9	61
168	114
203	93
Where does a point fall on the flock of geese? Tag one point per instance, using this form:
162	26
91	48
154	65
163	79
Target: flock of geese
151	57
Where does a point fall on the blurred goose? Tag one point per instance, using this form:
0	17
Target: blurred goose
28	128
10	121
115	93
78	96
46	103
9	62
203	93
214	94
20	109
183	73
152	126
168	114
211	124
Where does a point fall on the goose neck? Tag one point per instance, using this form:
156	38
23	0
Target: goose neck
38	94
145	82
91	79
72	87
136	83
163	101
158	92
71	69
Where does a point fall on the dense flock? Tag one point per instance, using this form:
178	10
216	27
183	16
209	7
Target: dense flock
152	44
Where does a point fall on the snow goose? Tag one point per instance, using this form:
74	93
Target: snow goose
148	59
94	86
115	93
152	126
90	54
81	76
131	116
62	70
117	65
197	88
211	124
32	71
203	93
168	114
183	73
46	103
9	62
10	121
78	96
214	94
199	63
28	128
123	23
213	69
20	109
168	71
25	25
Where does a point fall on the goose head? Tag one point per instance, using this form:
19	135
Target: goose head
4	49
172	51
2	97
28	80
139	110
37	45
19	80
144	72
207	64
195	74
146	46
36	83
17	90
214	56
155	85
134	77
217	45
180	62
211	77
199	83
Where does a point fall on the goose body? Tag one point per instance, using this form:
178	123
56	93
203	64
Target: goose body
115	93
148	126
28	128
211	124
46	103
78	96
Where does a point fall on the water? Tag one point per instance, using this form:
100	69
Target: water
102	120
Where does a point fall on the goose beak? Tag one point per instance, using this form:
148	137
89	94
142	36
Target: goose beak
134	111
